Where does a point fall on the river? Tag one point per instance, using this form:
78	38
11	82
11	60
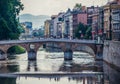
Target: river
50	68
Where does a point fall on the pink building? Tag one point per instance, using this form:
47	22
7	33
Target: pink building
82	18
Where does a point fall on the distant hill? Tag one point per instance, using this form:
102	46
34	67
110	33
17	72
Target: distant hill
36	20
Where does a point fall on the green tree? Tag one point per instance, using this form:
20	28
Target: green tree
88	34
83	31
4	29
9	11
78	6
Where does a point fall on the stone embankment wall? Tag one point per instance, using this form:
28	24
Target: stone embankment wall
111	53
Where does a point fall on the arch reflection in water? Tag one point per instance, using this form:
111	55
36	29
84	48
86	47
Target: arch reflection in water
73	66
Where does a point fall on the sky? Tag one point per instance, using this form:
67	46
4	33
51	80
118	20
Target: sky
53	7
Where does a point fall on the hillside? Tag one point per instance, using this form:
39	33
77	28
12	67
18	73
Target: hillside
36	20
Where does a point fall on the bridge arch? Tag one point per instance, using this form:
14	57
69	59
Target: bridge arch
10	47
67	46
2	54
1	51
68	49
84	48
87	48
84	51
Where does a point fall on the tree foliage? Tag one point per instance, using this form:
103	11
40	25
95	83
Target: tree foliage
9	11
88	34
83	31
78	7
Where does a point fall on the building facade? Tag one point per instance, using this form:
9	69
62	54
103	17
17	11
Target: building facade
112	20
58	25
27	27
90	11
95	19
82	18
116	23
68	28
47	28
101	24
52	25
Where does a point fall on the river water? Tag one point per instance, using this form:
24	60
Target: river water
50	68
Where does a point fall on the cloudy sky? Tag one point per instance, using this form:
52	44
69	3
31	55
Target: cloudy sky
51	7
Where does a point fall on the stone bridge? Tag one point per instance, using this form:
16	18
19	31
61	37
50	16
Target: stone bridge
66	45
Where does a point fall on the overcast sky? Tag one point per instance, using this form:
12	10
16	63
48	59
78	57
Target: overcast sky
51	7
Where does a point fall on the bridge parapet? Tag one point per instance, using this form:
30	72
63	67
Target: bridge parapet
64	44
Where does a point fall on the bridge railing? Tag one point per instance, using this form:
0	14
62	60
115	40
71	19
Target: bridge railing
51	39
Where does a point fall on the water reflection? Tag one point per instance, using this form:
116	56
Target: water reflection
32	66
72	66
7	80
96	79
6	67
53	62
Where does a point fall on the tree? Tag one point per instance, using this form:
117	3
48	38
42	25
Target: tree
78	7
83	31
10	10
4	29
88	34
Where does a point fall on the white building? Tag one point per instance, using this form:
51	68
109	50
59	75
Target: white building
58	25
68	24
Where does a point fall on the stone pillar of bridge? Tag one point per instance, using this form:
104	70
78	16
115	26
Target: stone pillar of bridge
32	52
68	55
99	52
32	55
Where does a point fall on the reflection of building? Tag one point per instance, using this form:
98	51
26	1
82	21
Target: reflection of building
32	66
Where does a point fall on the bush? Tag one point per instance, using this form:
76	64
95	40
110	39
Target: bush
16	50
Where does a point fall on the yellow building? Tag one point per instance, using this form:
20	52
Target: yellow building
47	28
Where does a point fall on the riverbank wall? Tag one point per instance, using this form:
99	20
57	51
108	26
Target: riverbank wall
111	53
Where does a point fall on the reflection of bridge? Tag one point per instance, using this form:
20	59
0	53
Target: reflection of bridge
67	46
79	77
51	74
